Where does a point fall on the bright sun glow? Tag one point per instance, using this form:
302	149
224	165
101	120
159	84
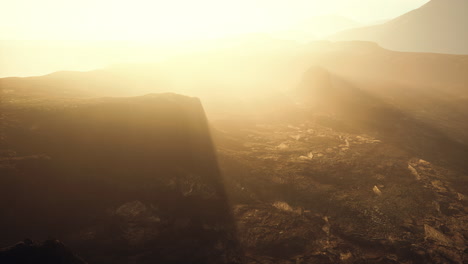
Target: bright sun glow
174	19
42	36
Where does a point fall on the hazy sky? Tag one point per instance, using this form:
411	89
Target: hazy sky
176	19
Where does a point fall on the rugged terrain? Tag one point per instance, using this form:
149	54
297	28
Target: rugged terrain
363	160
119	180
312	193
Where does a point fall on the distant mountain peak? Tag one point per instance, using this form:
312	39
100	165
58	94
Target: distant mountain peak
439	26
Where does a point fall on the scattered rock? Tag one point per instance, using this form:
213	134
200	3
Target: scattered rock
433	234
282	146
309	156
414	172
423	162
377	190
326	227
346	256
439	186
283	206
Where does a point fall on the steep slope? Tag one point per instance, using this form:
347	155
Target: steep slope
117	179
429	88
370	167
440	26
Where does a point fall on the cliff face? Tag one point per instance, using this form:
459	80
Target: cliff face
118	179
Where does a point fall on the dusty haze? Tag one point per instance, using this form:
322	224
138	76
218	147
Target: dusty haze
233	132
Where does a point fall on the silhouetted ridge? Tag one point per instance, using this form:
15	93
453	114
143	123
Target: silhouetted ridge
438	26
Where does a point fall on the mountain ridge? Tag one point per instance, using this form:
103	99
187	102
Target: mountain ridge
436	27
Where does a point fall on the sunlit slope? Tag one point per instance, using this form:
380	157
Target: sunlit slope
73	84
440	26
233	65
368	62
200	65
417	100
259	68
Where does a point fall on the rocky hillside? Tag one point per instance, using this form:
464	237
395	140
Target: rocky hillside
363	161
119	180
378	84
369	165
313	192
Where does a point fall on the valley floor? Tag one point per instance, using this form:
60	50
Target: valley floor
307	193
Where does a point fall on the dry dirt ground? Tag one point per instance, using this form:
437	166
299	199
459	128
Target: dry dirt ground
307	193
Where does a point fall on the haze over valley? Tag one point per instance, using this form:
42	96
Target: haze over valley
299	132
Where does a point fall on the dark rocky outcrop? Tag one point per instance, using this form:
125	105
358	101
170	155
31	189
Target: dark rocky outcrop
120	180
29	252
